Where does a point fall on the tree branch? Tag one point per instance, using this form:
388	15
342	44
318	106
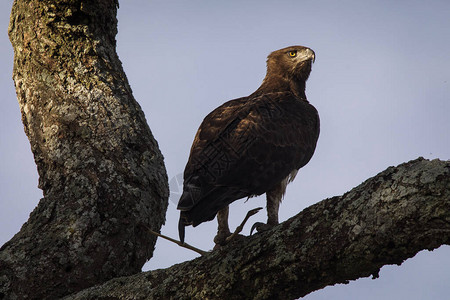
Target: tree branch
385	220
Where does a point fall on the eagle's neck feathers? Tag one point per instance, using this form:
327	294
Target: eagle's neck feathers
278	83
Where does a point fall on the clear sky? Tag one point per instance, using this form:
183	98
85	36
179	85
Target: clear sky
381	84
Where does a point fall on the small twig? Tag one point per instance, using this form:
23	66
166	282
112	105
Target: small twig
184	245
240	227
199	251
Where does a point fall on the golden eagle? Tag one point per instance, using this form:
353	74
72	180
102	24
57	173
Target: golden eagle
252	145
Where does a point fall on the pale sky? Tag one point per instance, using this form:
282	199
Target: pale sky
381	84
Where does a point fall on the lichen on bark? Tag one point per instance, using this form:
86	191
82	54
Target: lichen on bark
385	220
100	168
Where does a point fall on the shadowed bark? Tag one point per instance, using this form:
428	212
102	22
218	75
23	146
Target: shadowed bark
385	220
100	168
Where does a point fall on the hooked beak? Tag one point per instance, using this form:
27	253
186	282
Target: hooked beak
308	54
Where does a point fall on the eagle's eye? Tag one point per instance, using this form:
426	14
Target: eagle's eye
292	53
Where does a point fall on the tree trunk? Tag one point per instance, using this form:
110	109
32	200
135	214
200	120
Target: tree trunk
385	220
100	168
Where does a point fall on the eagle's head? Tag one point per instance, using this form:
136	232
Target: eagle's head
291	63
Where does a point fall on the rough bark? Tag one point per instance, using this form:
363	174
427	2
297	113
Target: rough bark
385	220
100	168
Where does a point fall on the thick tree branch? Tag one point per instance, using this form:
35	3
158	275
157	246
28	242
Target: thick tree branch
99	166
385	220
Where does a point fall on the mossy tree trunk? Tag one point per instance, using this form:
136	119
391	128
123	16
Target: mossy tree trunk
100	168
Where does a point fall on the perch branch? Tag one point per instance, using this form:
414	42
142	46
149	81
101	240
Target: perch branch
385	220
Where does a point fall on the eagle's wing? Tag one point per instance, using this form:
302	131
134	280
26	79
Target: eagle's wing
211	129
278	136
244	148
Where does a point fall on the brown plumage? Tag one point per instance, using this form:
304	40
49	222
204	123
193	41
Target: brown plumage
252	145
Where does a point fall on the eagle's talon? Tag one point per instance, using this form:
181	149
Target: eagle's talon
260	227
222	242
221	238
